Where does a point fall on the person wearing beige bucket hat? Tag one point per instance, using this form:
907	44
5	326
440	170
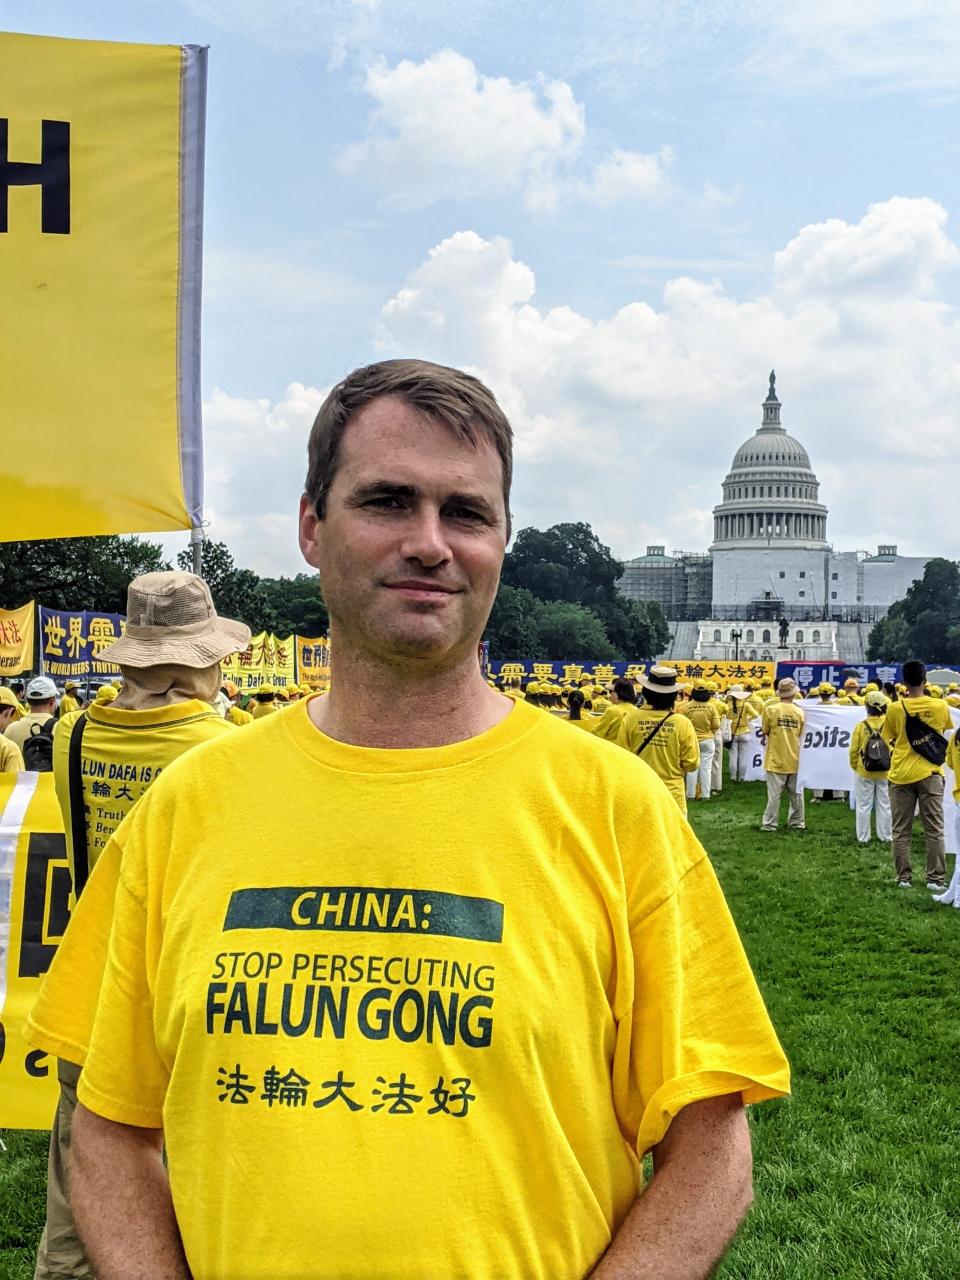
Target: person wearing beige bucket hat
104	759
367	925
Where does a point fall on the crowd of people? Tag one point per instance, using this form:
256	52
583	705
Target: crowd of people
681	730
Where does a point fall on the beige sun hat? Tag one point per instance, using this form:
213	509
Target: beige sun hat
737	691
171	619
660	680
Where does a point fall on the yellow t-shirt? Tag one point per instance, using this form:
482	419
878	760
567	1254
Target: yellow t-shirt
704	717
782	724
953	762
608	724
858	740
237	716
20	730
586	721
389	1023
11	757
671	753
123	752
68	704
740	712
260	709
906	765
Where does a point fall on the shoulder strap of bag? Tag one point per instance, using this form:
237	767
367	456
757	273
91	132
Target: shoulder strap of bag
653	733
78	821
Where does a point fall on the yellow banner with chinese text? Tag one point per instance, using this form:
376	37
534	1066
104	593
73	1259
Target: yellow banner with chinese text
268	659
313	660
16	640
723	673
32	921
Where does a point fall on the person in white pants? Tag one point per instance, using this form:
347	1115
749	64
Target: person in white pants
702	713
952	896
871	791
738	712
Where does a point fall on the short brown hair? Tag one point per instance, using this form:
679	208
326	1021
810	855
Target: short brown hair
457	399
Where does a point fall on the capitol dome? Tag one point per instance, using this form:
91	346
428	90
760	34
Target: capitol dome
771	495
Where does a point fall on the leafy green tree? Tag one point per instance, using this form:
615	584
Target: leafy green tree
512	629
564	562
296	604
75	573
925	624
571	631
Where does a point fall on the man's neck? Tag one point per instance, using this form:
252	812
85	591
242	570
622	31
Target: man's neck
403	706
915	691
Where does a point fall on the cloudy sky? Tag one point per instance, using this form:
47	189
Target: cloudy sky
621	215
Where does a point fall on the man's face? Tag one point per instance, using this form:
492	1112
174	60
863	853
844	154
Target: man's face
413	536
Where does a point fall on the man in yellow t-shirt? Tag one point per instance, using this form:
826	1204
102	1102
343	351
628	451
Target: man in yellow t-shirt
104	759
41	698
70	700
11	759
663	739
915	780
782	725
264	702
286	982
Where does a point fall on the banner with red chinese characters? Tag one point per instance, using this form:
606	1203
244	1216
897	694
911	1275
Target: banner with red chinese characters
268	659
71	643
16	640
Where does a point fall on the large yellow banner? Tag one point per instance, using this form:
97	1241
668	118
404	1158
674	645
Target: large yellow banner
16	640
267	660
313	659
723	672
101	162
34	910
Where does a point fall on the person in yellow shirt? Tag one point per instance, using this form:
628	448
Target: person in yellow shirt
702	713
716	768
235	714
623	700
576	714
740	712
870	787
41	698
70	701
951	898
265	702
952	696
916	777
660	736
11	758
104	759
782	725
283	981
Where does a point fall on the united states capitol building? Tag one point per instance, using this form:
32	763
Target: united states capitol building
771	586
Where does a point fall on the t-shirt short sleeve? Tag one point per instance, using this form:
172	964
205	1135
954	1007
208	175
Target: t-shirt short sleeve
124	1078
697	1026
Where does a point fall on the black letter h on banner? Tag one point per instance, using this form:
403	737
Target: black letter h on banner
52	174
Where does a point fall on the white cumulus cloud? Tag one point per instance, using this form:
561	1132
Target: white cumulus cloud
442	129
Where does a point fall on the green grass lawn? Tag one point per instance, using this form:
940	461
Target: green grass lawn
858	1175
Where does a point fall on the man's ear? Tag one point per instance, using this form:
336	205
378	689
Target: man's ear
310	526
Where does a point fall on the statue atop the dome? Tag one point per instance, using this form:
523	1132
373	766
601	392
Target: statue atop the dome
772	393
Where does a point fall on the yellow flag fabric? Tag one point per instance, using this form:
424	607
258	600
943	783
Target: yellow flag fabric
101	160
268	659
16	639
313	658
33	853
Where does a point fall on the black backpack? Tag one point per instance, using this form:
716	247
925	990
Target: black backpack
875	754
924	740
38	748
